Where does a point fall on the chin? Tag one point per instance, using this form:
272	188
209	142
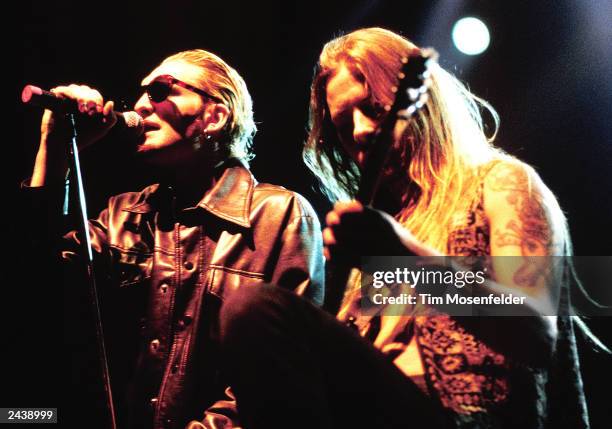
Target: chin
152	144
151	152
147	147
148	156
175	156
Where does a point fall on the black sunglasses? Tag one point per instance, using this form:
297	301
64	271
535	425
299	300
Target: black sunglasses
160	88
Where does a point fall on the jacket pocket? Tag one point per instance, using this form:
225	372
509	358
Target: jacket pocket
129	267
223	281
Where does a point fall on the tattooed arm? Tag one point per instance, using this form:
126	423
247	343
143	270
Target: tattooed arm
527	229
527	226
527	237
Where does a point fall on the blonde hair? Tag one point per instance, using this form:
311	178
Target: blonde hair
224	83
444	151
441	150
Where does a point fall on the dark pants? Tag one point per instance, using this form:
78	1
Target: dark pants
293	366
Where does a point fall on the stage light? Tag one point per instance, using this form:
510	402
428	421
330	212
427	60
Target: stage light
471	36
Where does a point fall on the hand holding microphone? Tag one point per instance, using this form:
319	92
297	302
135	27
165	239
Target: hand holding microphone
96	119
97	116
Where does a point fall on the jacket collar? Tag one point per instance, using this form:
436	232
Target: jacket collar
229	199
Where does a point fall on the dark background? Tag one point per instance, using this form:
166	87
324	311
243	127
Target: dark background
547	72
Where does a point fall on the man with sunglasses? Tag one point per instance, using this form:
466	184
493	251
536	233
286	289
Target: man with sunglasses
205	231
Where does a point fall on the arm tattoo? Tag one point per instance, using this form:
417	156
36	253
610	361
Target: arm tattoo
532	230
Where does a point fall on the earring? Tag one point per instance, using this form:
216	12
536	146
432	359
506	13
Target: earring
197	143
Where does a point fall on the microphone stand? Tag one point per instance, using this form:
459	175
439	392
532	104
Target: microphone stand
74	174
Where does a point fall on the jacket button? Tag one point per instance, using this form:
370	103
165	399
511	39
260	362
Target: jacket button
188	265
184	321
154	345
351	322
154	402
164	287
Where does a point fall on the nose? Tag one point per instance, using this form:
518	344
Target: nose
143	106
363	127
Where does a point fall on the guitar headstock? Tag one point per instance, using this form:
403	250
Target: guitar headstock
413	84
411	94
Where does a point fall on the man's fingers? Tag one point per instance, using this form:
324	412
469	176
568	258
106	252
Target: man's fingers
91	99
63	92
108	108
342	207
332	218
88	100
97	99
110	117
329	237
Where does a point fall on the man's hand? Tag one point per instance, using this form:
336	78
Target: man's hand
96	119
354	230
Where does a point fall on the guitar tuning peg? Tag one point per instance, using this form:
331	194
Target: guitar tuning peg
402	114
413	93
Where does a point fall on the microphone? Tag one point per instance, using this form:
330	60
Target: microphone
39	97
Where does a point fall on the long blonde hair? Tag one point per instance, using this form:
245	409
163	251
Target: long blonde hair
441	150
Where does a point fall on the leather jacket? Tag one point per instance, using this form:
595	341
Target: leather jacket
183	264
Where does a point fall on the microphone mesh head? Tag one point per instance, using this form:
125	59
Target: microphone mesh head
133	120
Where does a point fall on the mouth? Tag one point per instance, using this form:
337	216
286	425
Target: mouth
150	126
144	143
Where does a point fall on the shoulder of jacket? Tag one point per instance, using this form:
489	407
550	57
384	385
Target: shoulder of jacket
132	198
278	196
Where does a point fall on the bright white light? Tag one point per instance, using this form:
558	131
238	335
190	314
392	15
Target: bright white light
471	36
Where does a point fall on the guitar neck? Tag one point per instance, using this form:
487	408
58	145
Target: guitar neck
410	96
